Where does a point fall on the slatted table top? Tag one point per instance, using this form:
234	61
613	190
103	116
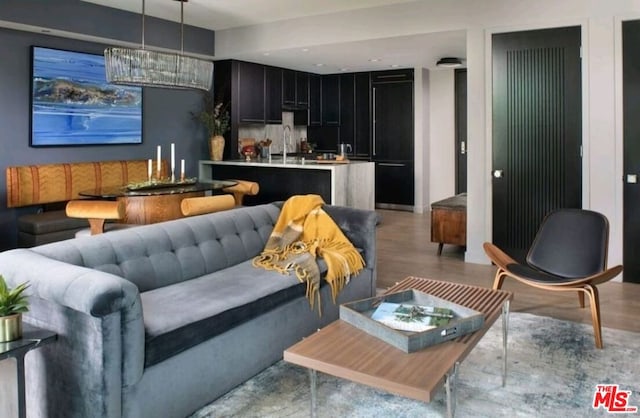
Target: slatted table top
347	352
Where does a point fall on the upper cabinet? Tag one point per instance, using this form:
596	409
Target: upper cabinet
331	100
288	87
315	111
273	99
251	92
302	89
295	89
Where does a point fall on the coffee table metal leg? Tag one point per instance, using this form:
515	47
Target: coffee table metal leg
313	382
451	388
505	331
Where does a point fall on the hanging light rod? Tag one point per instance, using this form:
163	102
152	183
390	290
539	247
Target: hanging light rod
145	68
449	62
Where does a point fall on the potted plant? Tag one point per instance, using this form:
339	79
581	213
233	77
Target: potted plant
13	302
215	118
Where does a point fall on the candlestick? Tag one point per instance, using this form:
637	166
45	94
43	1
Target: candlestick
158	166
149	168
182	170
173	162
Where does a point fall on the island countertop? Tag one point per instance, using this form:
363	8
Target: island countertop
290	163
349	183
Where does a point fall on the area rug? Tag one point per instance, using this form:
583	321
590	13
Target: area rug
553	371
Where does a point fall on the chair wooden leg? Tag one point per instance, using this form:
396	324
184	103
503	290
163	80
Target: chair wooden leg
594	301
581	299
497	281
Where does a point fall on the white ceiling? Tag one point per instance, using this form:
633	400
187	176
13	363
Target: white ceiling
417	50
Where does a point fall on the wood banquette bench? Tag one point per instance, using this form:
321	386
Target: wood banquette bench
48	187
449	221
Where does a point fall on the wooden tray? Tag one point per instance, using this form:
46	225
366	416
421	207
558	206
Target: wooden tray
161	184
358	314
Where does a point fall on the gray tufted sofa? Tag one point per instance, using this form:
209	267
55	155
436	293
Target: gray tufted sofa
159	320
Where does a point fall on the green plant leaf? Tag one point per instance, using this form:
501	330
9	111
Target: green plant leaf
14	300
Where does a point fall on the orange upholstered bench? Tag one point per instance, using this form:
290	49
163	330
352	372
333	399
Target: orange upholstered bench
45	186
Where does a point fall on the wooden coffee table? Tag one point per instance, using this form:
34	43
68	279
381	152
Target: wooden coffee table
345	351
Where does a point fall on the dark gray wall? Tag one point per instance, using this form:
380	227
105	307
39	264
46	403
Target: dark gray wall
106	22
166	115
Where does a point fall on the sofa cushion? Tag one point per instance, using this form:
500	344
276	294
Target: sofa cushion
26	240
182	315
47	222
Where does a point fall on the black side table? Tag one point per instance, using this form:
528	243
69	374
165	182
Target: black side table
32	337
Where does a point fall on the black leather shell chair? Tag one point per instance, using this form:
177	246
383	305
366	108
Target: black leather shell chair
568	254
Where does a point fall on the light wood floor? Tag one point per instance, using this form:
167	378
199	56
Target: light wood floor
405	249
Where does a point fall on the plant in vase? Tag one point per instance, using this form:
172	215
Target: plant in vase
13	303
215	118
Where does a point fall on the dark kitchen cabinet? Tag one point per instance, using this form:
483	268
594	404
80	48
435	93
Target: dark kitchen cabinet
288	87
250	92
394	183
295	89
315	111
393	133
362	114
242	85
302	89
273	97
393	136
347	109
331	100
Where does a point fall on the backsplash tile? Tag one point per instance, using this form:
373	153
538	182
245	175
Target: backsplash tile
274	132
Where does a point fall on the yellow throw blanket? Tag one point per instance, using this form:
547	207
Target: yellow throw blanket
303	232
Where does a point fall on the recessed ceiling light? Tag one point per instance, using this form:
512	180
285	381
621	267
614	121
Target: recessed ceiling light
374	60
395	65
344	69
319	64
305	49
266	54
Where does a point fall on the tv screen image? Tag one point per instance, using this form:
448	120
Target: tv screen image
72	103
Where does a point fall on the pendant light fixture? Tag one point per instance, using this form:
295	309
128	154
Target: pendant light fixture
142	67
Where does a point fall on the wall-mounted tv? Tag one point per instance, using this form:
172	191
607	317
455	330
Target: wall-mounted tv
72	104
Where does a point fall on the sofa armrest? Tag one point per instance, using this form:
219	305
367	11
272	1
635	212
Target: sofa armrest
359	226
61	295
83	289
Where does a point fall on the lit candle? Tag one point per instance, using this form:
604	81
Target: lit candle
182	170
158	168
173	158
149	168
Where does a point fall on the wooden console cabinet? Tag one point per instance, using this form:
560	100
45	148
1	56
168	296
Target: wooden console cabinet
449	221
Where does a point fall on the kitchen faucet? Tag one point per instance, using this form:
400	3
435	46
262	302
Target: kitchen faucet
285	143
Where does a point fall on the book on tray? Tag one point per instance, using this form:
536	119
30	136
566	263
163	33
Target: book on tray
412	318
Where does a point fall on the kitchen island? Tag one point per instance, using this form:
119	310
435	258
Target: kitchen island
349	183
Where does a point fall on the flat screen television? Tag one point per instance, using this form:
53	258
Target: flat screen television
72	104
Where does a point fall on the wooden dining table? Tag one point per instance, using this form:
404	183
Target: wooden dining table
155	203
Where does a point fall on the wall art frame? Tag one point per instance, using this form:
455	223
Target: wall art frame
73	105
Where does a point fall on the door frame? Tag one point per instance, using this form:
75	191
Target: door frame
616	235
